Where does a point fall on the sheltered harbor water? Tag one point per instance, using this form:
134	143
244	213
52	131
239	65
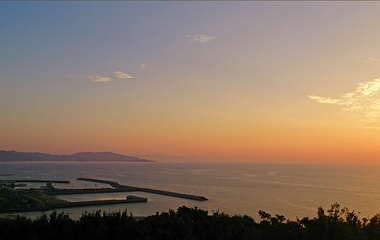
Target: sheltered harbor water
44	199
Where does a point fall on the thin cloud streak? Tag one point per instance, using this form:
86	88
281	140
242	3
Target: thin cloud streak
372	125
371	59
201	38
99	79
364	99
120	74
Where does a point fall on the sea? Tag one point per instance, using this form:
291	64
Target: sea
292	190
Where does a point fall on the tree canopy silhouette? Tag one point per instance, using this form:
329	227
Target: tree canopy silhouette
193	223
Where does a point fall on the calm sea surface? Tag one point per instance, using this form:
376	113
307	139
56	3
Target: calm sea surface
233	188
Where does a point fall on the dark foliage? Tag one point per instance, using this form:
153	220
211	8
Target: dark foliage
193	223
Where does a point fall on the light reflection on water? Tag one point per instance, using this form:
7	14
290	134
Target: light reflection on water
234	188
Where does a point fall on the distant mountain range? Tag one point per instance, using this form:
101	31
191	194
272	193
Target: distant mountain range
80	157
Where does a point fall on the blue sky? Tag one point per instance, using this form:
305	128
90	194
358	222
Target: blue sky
189	78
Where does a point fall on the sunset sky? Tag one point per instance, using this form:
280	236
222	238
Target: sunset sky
293	82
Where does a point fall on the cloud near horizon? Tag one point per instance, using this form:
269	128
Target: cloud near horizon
120	74
99	79
201	38
364	99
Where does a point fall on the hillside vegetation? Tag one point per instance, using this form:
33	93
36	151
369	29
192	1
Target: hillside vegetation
193	223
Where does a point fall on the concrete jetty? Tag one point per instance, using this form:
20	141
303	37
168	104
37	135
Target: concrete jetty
113	184
57	192
147	190
52	206
129	199
36	181
173	194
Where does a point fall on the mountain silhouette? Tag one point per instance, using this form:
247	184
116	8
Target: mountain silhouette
81	156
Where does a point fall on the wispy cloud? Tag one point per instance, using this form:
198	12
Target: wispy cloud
120	74
371	59
365	99
372	125
201	38
99	79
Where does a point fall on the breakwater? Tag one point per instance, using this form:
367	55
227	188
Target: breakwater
113	184
57	192
37	181
147	190
173	194
129	199
55	205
